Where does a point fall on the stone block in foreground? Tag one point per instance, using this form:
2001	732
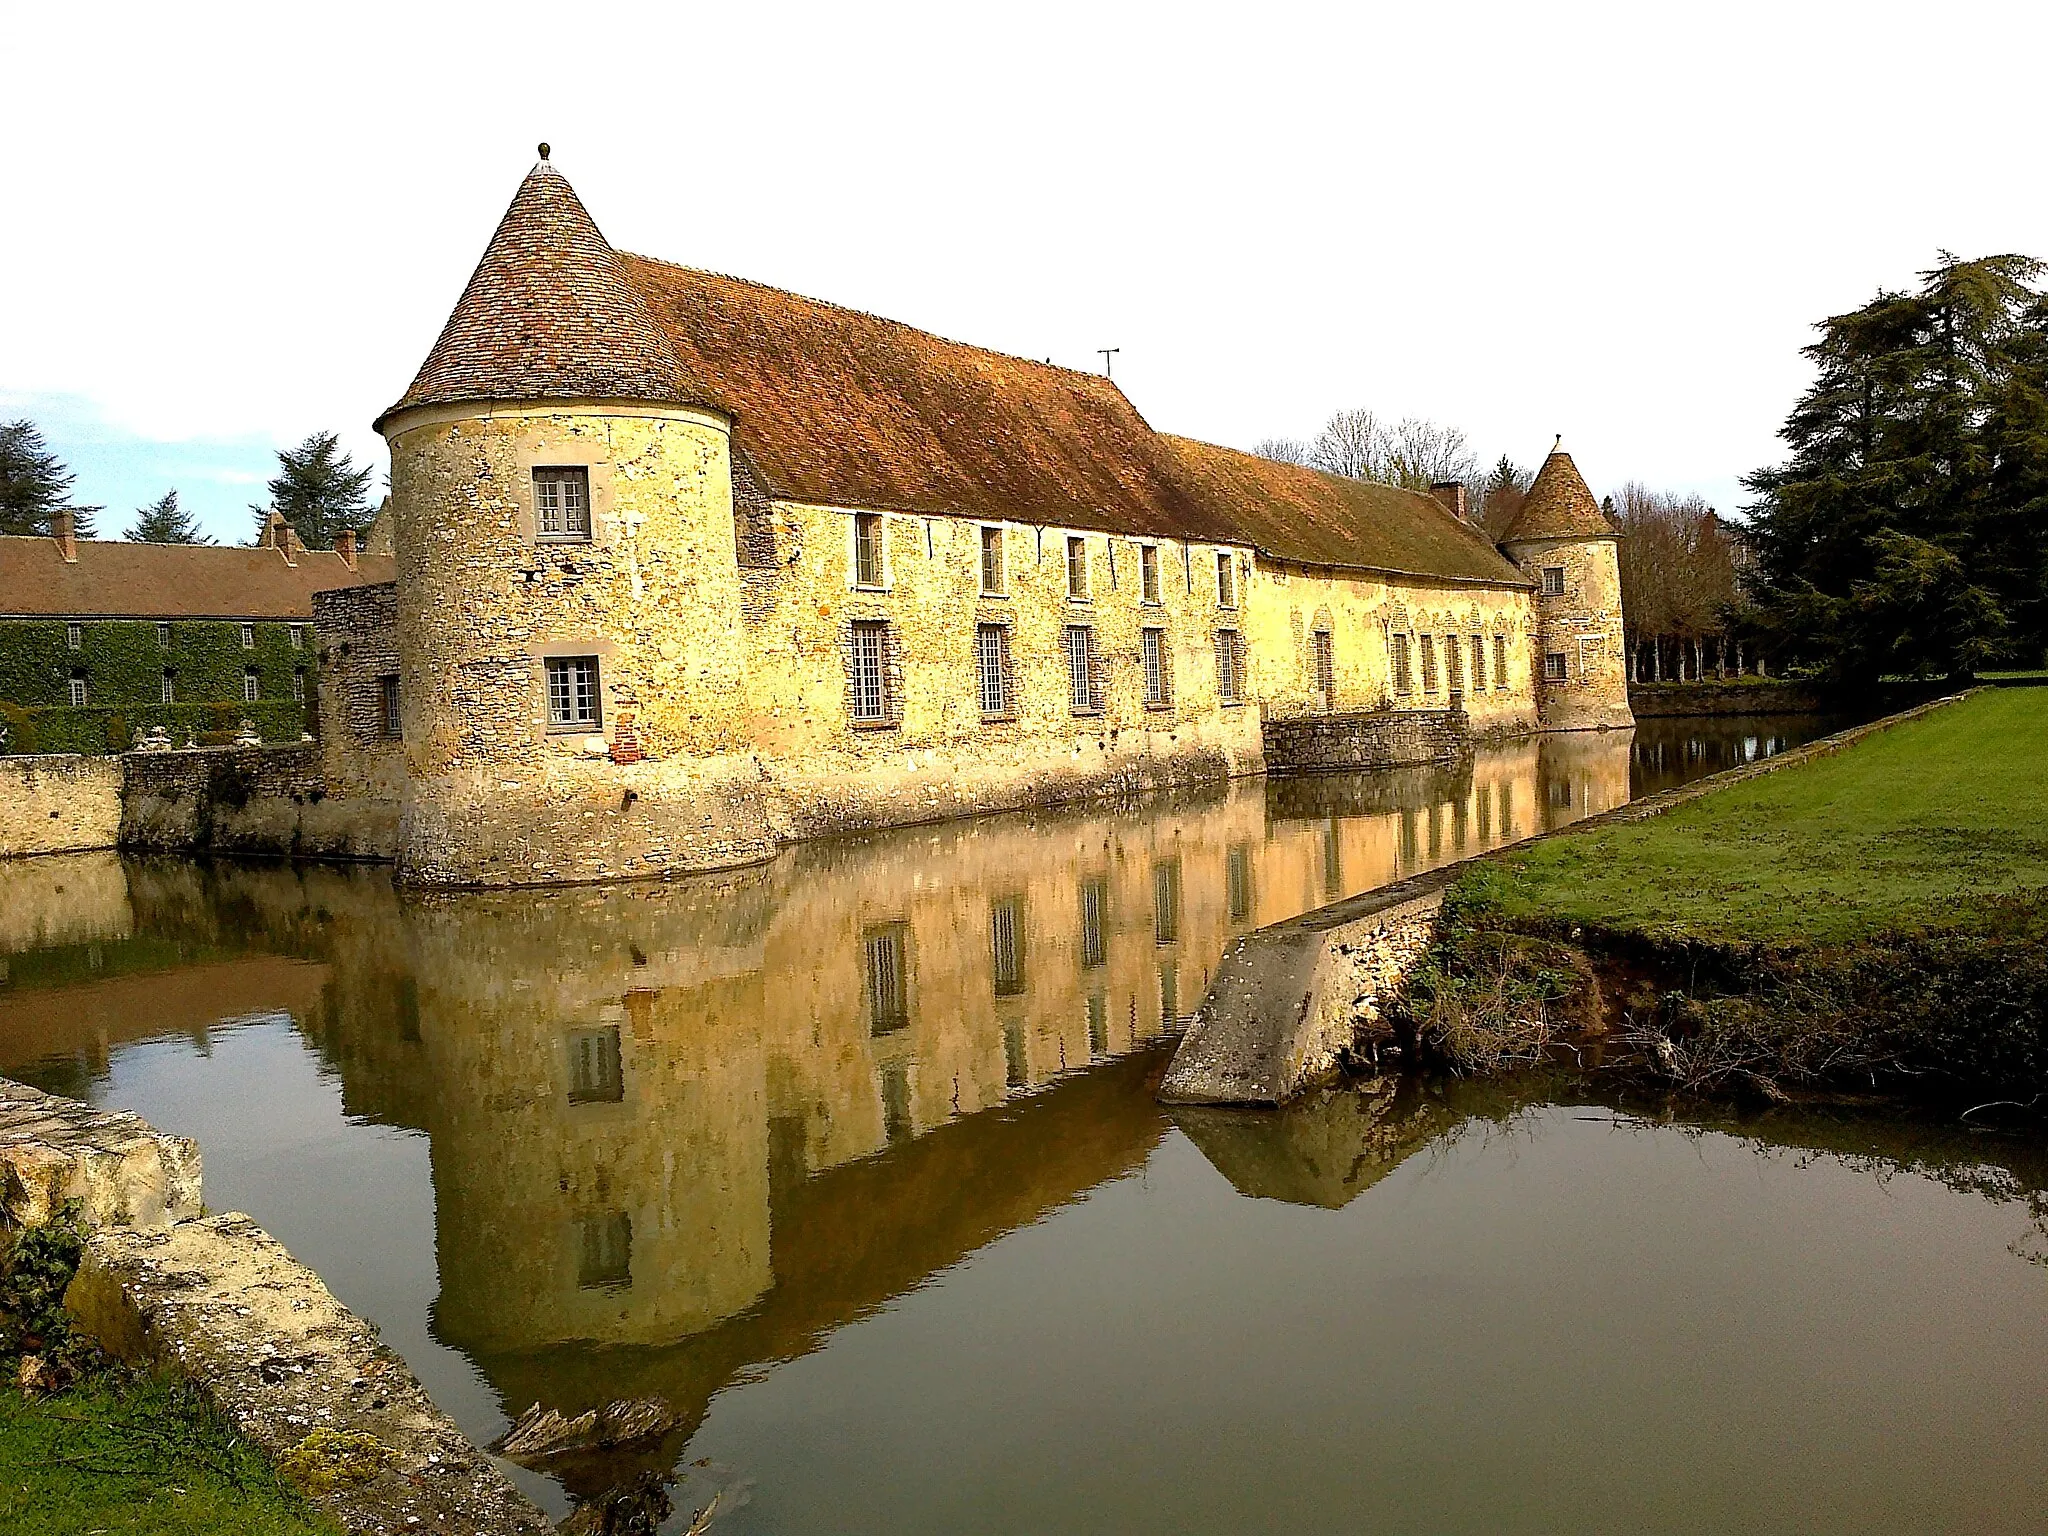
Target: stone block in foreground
123	1170
222	1303
1289	1000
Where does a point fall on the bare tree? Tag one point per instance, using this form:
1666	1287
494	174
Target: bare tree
1351	444
1680	583
1283	450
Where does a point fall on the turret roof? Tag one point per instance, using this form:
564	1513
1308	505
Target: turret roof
548	314
1559	506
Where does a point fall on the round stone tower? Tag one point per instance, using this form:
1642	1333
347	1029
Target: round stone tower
568	593
1569	549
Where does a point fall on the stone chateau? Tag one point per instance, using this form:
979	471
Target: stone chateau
688	568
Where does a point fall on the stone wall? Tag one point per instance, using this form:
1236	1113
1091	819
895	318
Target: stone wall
1363	743
356	630
1757	697
1583	625
58	804
247	800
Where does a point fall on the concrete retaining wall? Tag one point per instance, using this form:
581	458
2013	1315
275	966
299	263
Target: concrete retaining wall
58	804
1365	741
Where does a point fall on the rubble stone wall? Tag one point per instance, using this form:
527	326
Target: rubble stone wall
1363	743
58	804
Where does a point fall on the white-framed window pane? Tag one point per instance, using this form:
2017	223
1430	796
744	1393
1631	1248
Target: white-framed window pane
1154	642
1226	580
298	637
1554	667
1325	664
561	502
77	693
170	689
992	668
1553	581
1077	567
572	692
1229	666
1148	570
163	637
870	696
868	564
1081	666
251	689
248	637
74	636
991	559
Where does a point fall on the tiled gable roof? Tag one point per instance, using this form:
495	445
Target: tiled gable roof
549	315
1558	505
116	579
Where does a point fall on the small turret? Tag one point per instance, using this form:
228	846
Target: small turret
1567	546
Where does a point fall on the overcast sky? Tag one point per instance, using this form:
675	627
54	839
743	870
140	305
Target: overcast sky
230	228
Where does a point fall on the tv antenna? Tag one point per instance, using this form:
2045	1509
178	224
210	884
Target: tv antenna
1107	354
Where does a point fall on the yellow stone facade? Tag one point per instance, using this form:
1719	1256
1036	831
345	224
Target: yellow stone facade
1577	631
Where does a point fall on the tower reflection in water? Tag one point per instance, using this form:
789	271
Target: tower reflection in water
679	1130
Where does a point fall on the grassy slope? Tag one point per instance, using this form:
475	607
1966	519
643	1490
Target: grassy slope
1905	830
128	1457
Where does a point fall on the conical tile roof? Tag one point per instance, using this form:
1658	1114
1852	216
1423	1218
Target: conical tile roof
1559	505
548	315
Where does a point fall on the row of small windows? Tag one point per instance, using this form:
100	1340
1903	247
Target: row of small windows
252	688
74	636
872	685
870	566
1455	651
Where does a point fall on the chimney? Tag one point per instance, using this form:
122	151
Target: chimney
1452	494
64	529
345	546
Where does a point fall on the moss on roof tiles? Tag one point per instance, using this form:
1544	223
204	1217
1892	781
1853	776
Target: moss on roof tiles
1559	505
115	578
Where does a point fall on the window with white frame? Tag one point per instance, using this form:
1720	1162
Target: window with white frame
1082	693
561	504
868	663
170	687
1226	579
1158	680
387	706
1077	567
163	637
1148	572
992	573
298	637
1553	581
1554	669
1229	666
74	636
992	670
252	687
869	558
248	637
299	686
77	693
573	700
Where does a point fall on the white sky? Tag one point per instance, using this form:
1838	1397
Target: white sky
230	227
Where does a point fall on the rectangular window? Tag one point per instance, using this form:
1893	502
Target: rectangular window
1237	882
74	636
1094	906
1429	664
604	1261
1016	1069
170	691
1098	1024
992	561
868	642
1166	902
1404	674
1077	568
1229	666
1081	690
1169	995
1006	943
1226	579
1325	655
299	686
561	503
1148	572
1500	661
572	694
596	1072
387	706
992	670
1454	663
1158	686
77	693
248	637
888	957
1553	581
1554	667
1478	663
163	637
252	690
298	637
897	1120
868	563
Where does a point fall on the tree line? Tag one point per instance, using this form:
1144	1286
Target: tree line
318	489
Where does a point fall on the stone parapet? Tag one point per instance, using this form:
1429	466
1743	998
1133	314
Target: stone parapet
58	803
121	1170
1366	741
248	800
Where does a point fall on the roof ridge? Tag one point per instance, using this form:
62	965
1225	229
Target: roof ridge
880	319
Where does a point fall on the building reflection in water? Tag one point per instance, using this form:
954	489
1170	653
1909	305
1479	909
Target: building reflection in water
700	1124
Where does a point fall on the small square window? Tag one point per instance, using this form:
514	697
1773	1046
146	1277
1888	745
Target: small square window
561	504
1148	572
1226	579
248	637
252	689
992	562
298	637
77	693
1553	581
572	694
163	637
74	636
869	568
387	706
1077	568
1554	670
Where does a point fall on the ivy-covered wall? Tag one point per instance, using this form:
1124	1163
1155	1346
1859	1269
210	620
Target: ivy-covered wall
123	662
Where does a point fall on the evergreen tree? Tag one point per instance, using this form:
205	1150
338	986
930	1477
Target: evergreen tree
34	483
1908	532
319	490
165	522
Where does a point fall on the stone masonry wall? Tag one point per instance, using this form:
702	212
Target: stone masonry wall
356	631
58	804
250	800
1365	742
1583	625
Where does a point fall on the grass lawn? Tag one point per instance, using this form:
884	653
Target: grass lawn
1910	829
125	1456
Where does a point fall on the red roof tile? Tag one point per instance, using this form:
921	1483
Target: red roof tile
116	579
1559	506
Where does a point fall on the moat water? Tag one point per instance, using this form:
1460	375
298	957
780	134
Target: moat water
853	1159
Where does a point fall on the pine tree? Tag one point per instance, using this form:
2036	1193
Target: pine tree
319	490
165	522
1908	532
34	483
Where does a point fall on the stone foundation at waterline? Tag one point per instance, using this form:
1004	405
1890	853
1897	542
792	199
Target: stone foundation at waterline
1364	743
58	804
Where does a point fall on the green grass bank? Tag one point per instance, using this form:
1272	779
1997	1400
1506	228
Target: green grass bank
1875	919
